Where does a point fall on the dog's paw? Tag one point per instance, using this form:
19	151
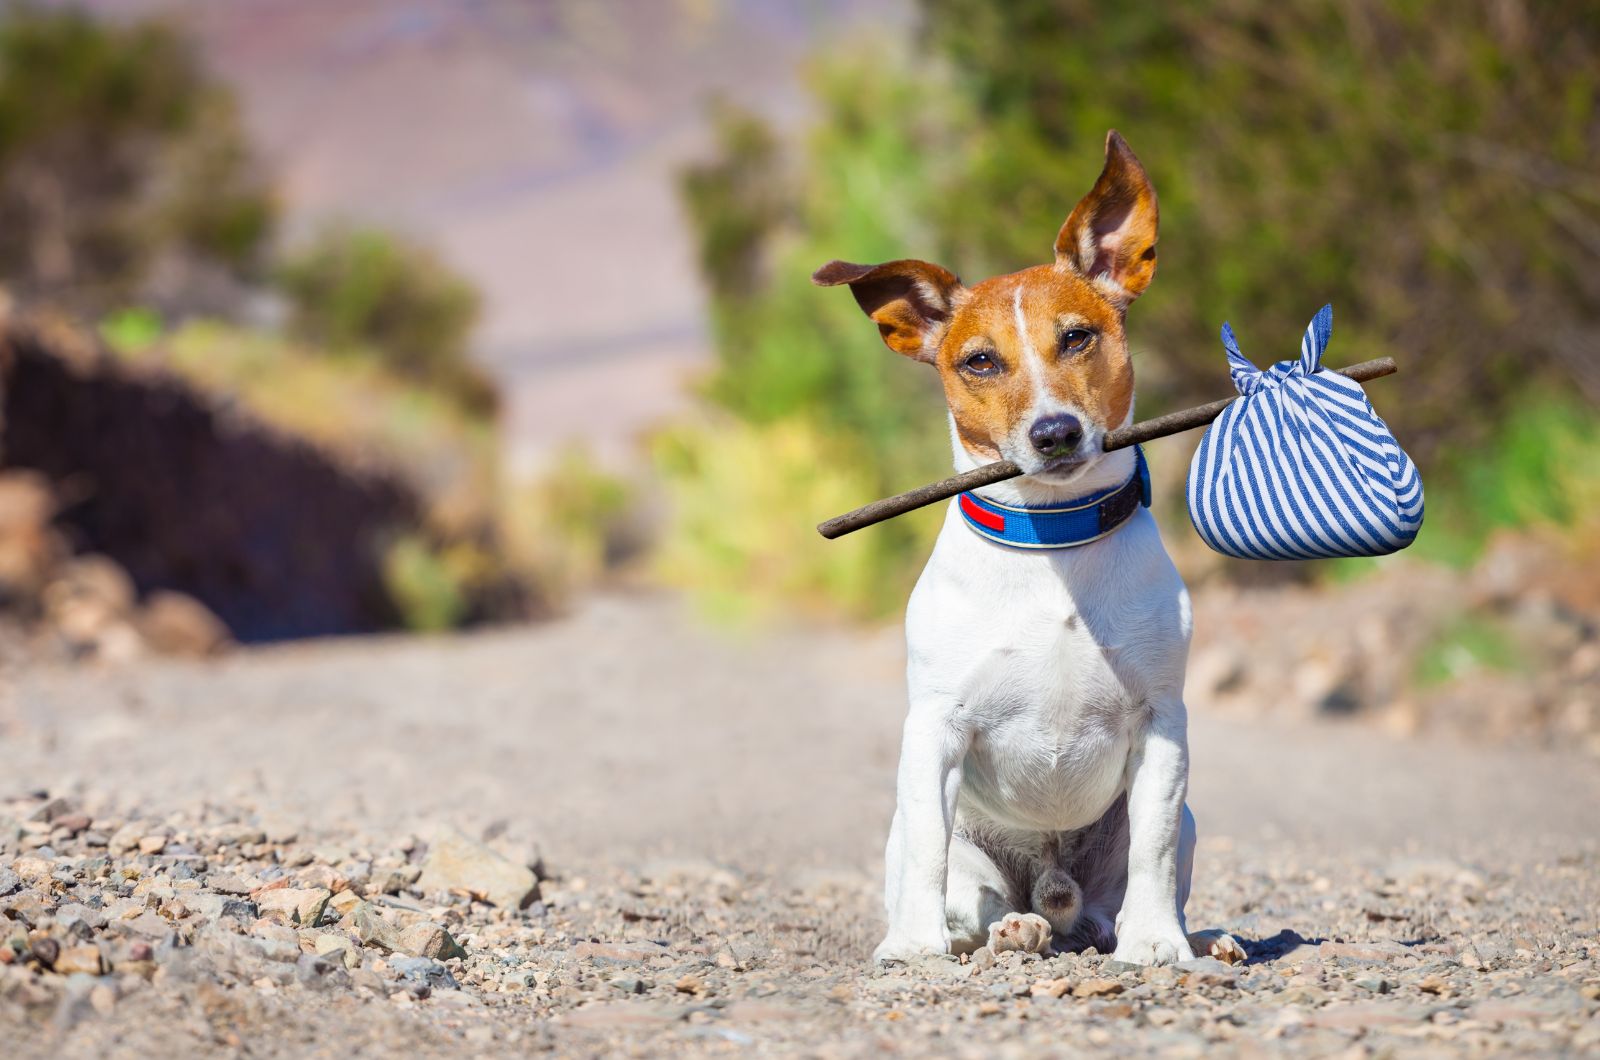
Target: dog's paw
1152	946
1027	932
902	949
1219	944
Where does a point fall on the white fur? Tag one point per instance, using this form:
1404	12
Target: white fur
1045	685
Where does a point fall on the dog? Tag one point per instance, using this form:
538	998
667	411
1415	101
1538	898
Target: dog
1044	762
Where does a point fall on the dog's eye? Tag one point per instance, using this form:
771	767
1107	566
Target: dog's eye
982	363
1076	340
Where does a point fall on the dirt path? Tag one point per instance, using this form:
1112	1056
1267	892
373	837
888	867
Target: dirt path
710	813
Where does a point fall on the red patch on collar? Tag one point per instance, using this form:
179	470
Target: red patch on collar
983	517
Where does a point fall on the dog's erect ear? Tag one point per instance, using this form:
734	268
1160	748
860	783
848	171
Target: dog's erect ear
1111	236
910	301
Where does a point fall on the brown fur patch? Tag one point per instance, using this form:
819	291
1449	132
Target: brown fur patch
1099	381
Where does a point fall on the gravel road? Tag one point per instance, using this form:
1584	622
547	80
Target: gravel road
287	852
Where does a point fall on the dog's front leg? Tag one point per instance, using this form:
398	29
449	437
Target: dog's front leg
918	854
1149	927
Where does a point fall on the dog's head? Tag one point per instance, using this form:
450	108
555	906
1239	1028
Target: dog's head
1034	364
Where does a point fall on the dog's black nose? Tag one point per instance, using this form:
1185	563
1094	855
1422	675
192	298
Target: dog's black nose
1056	435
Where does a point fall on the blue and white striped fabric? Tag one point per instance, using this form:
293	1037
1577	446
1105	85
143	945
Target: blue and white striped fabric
1301	467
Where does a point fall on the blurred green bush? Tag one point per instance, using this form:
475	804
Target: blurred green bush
117	154
355	289
1429	167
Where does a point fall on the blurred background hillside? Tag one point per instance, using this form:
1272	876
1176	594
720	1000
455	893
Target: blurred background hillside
338	318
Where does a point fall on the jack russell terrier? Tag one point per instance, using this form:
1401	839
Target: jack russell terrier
1044	761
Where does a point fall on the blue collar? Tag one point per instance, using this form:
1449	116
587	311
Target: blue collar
1076	523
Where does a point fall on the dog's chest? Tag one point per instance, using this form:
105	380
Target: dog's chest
1051	721
1052	670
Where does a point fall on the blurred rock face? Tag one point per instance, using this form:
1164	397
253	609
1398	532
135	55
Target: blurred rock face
274	536
86	606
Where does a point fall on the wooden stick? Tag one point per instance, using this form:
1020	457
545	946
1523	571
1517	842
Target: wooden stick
1000	470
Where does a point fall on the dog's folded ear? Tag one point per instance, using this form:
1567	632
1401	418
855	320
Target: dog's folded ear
909	300
1110	238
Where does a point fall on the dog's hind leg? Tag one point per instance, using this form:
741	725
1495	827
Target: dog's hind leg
977	896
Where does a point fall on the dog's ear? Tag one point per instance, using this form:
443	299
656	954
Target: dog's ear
910	301
1110	238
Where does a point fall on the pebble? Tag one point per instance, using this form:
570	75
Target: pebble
456	863
426	939
85	959
1097	988
424	970
332	943
297	905
1207	971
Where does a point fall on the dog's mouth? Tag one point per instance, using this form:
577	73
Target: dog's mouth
1063	469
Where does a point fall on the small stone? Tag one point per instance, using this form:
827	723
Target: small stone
1052	988
1207	971
1381	950
1159	975
425	971
334	944
125	839
989	1008
51	810
224	883
456	863
319	973
372	929
426	939
690	984
982	959
152	844
1097	988
45	951
1375	983
103	998
85	959
1433	984
10	883
174	623
73	823
32	869
343	902
323	876
295	905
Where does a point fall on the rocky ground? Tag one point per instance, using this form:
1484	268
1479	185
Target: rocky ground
619	834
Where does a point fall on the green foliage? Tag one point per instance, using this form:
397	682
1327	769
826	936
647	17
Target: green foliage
116	151
365	289
1465	647
572	525
824	417
424	585
741	540
132	330
1429	167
